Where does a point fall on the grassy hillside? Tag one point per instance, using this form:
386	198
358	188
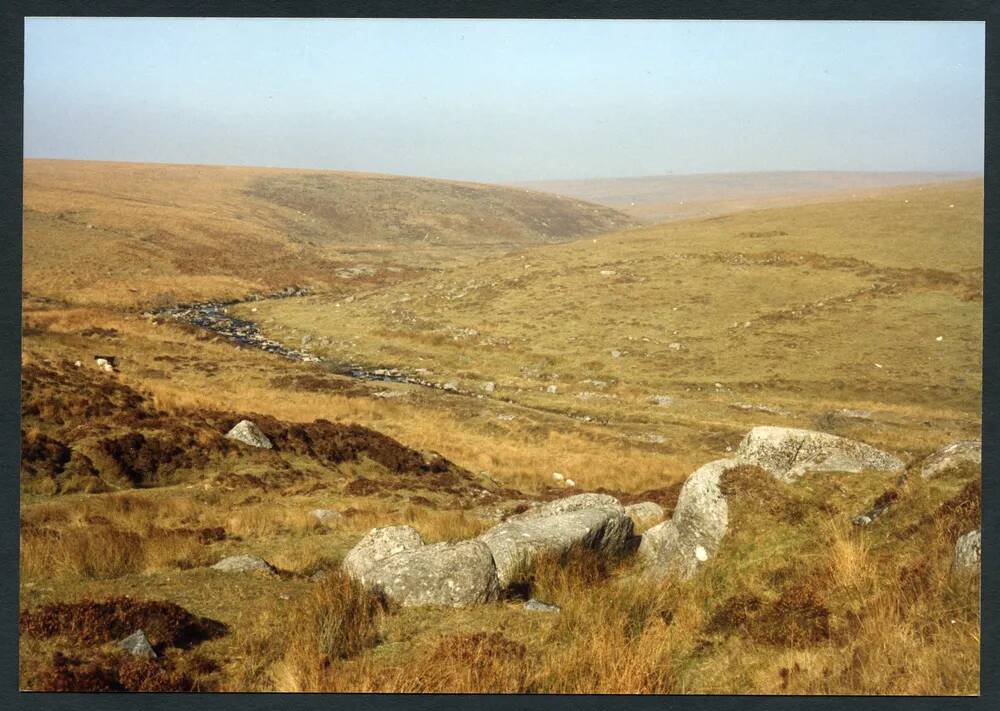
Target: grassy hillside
101	233
623	361
672	197
874	304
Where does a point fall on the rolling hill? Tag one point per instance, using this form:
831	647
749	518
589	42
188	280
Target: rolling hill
672	197
99	233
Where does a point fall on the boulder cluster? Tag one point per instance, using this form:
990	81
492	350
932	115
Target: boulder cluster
396	561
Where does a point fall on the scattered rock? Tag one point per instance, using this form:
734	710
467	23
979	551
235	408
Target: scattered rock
662	400
379	544
750	407
692	535
852	414
243	564
451	574
789	453
950	456
247	432
137	645
968	552
327	516
534	605
644	513
451	386
594	521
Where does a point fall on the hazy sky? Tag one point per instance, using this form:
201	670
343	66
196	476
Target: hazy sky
510	100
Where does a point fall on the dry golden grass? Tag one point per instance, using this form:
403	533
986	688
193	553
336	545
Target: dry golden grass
796	601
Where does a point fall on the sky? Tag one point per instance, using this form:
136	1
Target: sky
500	101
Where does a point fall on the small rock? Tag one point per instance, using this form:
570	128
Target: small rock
327	516
646	512
662	400
489	386
242	564
675	346
968	552
137	645
247	432
952	455
556	476
570	482
534	605
552	389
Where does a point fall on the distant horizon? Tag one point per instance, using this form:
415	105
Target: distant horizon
506	101
965	173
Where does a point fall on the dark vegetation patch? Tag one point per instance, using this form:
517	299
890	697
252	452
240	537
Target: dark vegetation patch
956	516
97	622
963	512
87	431
362	487
798	617
120	672
735	614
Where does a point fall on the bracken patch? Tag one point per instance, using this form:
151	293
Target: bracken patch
96	622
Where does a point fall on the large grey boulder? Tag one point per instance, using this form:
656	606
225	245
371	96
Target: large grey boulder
950	456
247	432
137	645
968	552
594	521
450	574
692	535
789	453
243	564
379	544
645	513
